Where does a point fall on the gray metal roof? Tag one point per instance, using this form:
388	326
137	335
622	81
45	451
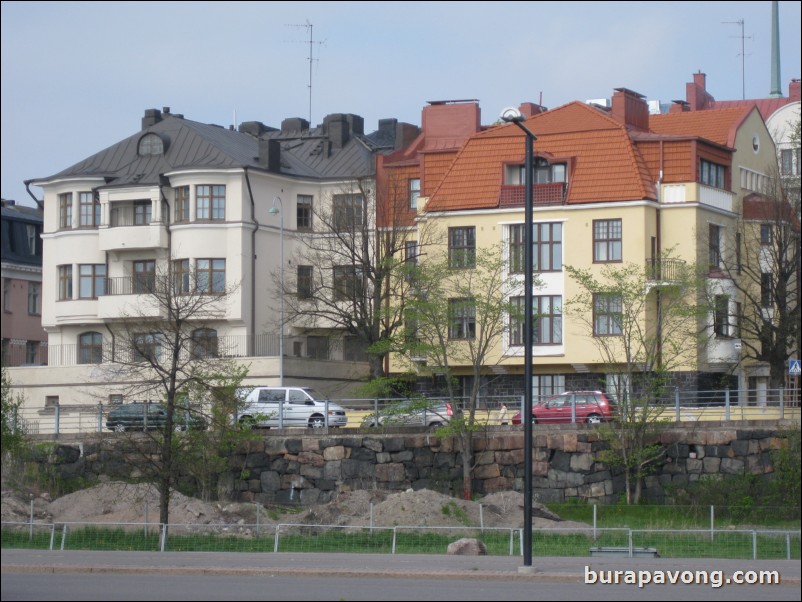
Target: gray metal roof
190	144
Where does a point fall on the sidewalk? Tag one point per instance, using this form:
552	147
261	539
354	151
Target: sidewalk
368	565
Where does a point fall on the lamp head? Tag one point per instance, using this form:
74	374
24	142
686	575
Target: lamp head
273	210
511	115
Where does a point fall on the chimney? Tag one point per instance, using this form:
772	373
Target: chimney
793	90
405	133
630	108
338	128
254	128
696	93
270	154
678	106
450	121
530	109
152	117
294	124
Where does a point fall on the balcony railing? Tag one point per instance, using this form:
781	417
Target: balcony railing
131	285
664	270
24	353
552	193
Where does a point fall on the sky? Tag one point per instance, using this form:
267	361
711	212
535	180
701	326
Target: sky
77	77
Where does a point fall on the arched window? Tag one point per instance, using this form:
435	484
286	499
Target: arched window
90	348
204	343
151	144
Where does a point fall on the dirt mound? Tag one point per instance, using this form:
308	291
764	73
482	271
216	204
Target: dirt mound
118	502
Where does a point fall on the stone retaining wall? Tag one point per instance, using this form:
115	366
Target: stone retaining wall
309	468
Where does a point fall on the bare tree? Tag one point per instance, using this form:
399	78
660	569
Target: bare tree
646	321
456	320
166	349
348	266
765	270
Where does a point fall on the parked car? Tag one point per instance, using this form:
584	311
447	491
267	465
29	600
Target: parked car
141	415
412	413
268	407
592	407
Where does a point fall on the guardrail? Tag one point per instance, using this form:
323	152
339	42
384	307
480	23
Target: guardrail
690	406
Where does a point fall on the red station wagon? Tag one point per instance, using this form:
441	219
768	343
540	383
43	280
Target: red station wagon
591	407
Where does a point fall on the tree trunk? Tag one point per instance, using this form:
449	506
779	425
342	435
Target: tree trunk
467	457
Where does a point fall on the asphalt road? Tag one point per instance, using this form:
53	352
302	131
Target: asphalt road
78	575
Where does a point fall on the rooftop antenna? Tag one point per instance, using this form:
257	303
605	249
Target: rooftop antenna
743	54
311	58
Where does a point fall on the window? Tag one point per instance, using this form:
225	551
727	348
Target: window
181	204
546	385
204	343
410	259
739	312
766	289
7	284
89	208
210	202
789	162
516	246
542	173
144	277
711	174
714	243
607	315
317	347
151	144
547	247
607	236
51	401
91	280
142	213
33	298
347	211
414	192
411	327
64	282
546	320
354	349
462	247
115	399
304	212
33	238
210	275
462	319
721	316
31	352
146	348
65	210
305	283
347	282
181	276
765	234
90	348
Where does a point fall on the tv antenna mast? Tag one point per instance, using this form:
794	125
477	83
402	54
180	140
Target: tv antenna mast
311	58
743	54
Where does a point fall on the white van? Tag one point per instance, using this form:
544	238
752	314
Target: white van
290	406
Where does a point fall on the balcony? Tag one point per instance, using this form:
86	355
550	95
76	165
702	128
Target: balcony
543	195
129	229
693	192
664	270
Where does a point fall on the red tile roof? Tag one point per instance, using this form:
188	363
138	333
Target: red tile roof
604	161
717	125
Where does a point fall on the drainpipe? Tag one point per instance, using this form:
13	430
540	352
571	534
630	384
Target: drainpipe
253	263
39	204
658	250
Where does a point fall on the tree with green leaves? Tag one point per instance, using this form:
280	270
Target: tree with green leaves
455	321
13	433
647	322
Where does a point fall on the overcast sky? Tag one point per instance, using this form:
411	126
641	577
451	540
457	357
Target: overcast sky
78	76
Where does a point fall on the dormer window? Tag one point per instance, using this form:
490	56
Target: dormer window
543	173
151	144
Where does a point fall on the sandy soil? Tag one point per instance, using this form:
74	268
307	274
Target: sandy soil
117	502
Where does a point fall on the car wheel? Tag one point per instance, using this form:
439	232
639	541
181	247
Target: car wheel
119	428
594	419
247	423
317	422
435	426
180	428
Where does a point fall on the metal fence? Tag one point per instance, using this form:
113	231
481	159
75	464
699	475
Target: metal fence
756	544
681	406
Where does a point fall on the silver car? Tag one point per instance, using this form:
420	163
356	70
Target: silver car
289	406
412	413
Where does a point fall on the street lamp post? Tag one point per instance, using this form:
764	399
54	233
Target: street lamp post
513	115
273	211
